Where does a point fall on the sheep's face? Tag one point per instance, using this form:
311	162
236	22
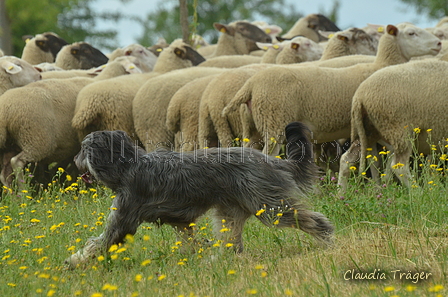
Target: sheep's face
251	34
357	41
185	52
87	56
414	41
49	42
19	71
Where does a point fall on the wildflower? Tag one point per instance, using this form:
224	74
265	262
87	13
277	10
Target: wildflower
259	266
260	212
363	173
231	271
369	149
264	274
429	130
109	287
138	277
100	258
251	291
145	237
145	262
51	293
129	238
276	222
114	257
352	168
35	221
390	288
96	295
410	288
113	248
192	225
12	284
278	157
433	166
368	156
224	230
398	165
436	288
237	139
417	130
246	140
161	277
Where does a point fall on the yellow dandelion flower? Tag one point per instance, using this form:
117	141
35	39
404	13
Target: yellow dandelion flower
113	248
264	274
436	288
389	288
35	221
12	284
259	266
417	130
410	288
278	157
288	292
138	277
251	291
398	165
368	156
260	212
100	258
237	139
363	173
146	237
161	277
246	140
229	244
276	222
114	257
145	262
352	168
96	295
129	238
231	271
429	130
369	149
224	230
430	182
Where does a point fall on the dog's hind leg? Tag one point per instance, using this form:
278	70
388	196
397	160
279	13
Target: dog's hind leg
229	224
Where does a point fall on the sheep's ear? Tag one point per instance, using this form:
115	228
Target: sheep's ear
295	46
11	68
326	34
392	30
224	28
273	29
179	52
377	28
342	37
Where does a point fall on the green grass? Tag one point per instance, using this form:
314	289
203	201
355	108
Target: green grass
386	228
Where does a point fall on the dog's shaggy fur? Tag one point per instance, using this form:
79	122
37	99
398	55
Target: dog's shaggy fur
177	188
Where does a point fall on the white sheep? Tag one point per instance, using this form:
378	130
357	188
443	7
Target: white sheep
222	90
145	56
42	48
183	112
107	105
36	123
15	72
309	26
151	102
298	50
79	55
388	107
321	97
230	61
213	127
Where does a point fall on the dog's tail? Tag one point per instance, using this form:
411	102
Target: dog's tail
299	151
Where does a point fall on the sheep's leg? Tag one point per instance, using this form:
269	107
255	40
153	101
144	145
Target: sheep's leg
18	163
206	132
400	166
348	158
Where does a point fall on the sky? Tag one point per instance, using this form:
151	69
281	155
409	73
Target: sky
352	13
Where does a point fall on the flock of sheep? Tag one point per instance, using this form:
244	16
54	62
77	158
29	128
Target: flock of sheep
360	84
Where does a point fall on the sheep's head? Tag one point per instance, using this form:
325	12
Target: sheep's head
186	52
87	56
246	31
355	41
47	42
18	71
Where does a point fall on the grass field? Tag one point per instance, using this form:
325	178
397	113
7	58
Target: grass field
398	238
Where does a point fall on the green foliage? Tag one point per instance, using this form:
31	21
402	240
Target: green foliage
164	22
435	9
73	20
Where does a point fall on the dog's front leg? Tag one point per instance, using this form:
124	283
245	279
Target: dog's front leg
121	221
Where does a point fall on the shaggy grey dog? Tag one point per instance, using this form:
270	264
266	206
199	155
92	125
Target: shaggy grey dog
176	188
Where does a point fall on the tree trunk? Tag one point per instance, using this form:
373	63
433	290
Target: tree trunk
184	21
5	30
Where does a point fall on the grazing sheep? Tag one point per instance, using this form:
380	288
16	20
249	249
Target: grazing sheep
213	127
79	55
146	57
151	102
239	123
42	48
309	27
43	133
321	97
183	111
107	105
298	50
15	72
388	106
238	38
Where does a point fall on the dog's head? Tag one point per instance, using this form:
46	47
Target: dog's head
106	156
